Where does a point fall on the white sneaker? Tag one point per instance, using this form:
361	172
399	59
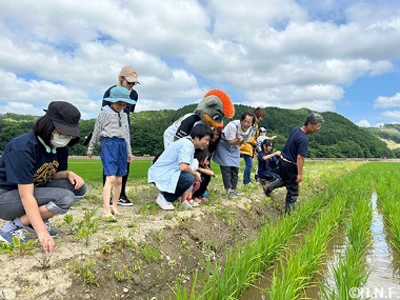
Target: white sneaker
164	204
193	203
186	205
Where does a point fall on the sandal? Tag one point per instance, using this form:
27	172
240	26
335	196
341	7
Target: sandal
109	219
115	212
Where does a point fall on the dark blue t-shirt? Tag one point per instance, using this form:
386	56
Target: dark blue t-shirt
271	165
296	144
26	161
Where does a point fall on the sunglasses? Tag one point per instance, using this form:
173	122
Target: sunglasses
132	83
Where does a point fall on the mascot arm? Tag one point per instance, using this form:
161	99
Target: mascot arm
186	126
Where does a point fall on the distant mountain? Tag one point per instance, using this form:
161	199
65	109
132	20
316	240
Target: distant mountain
338	137
390	134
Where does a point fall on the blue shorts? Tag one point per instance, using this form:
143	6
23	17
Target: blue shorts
114	156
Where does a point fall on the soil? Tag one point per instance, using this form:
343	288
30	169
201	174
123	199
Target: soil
143	254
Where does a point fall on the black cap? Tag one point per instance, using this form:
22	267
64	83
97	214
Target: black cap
65	117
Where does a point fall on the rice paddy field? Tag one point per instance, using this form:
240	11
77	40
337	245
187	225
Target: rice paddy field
342	242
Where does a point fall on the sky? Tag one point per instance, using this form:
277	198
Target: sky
326	55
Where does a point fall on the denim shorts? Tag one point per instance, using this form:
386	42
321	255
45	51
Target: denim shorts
114	156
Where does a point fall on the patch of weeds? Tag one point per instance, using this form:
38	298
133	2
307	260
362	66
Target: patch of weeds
136	265
19	249
92	198
182	277
248	208
149	252
69	221
121	276
131	224
86	271
6	248
181	221
44	260
184	243
225	215
121	243
106	249
159	236
85	228
144	211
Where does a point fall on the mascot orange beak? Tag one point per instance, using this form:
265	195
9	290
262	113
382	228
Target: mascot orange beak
212	123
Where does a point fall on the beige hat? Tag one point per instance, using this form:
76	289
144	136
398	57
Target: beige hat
129	73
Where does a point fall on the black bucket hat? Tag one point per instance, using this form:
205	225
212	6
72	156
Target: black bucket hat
65	117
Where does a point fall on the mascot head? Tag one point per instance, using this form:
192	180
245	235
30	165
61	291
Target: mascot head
215	105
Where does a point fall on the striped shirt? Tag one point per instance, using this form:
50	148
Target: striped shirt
111	124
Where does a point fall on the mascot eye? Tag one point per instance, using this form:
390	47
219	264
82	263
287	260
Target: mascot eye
217	118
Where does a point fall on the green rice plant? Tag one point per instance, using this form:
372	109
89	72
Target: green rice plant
350	270
300	266
388	190
244	264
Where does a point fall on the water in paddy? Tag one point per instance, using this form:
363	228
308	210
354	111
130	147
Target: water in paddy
382	261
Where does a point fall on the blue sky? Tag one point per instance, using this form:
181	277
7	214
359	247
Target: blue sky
326	55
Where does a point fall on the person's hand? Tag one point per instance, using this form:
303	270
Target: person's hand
278	153
197	177
46	241
239	138
89	155
299	178
130	158
75	180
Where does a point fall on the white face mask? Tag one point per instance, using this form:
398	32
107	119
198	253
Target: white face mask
60	140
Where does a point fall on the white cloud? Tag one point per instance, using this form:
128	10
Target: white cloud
387	102
315	97
364	123
393	115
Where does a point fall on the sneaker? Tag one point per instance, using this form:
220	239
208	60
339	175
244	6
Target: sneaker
231	194
186	205
164	204
46	222
124	201
237	193
193	203
19	232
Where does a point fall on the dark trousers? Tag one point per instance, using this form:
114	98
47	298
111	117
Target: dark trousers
205	180
185	181
229	176
289	177
124	180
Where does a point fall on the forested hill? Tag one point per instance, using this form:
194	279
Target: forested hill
338	137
